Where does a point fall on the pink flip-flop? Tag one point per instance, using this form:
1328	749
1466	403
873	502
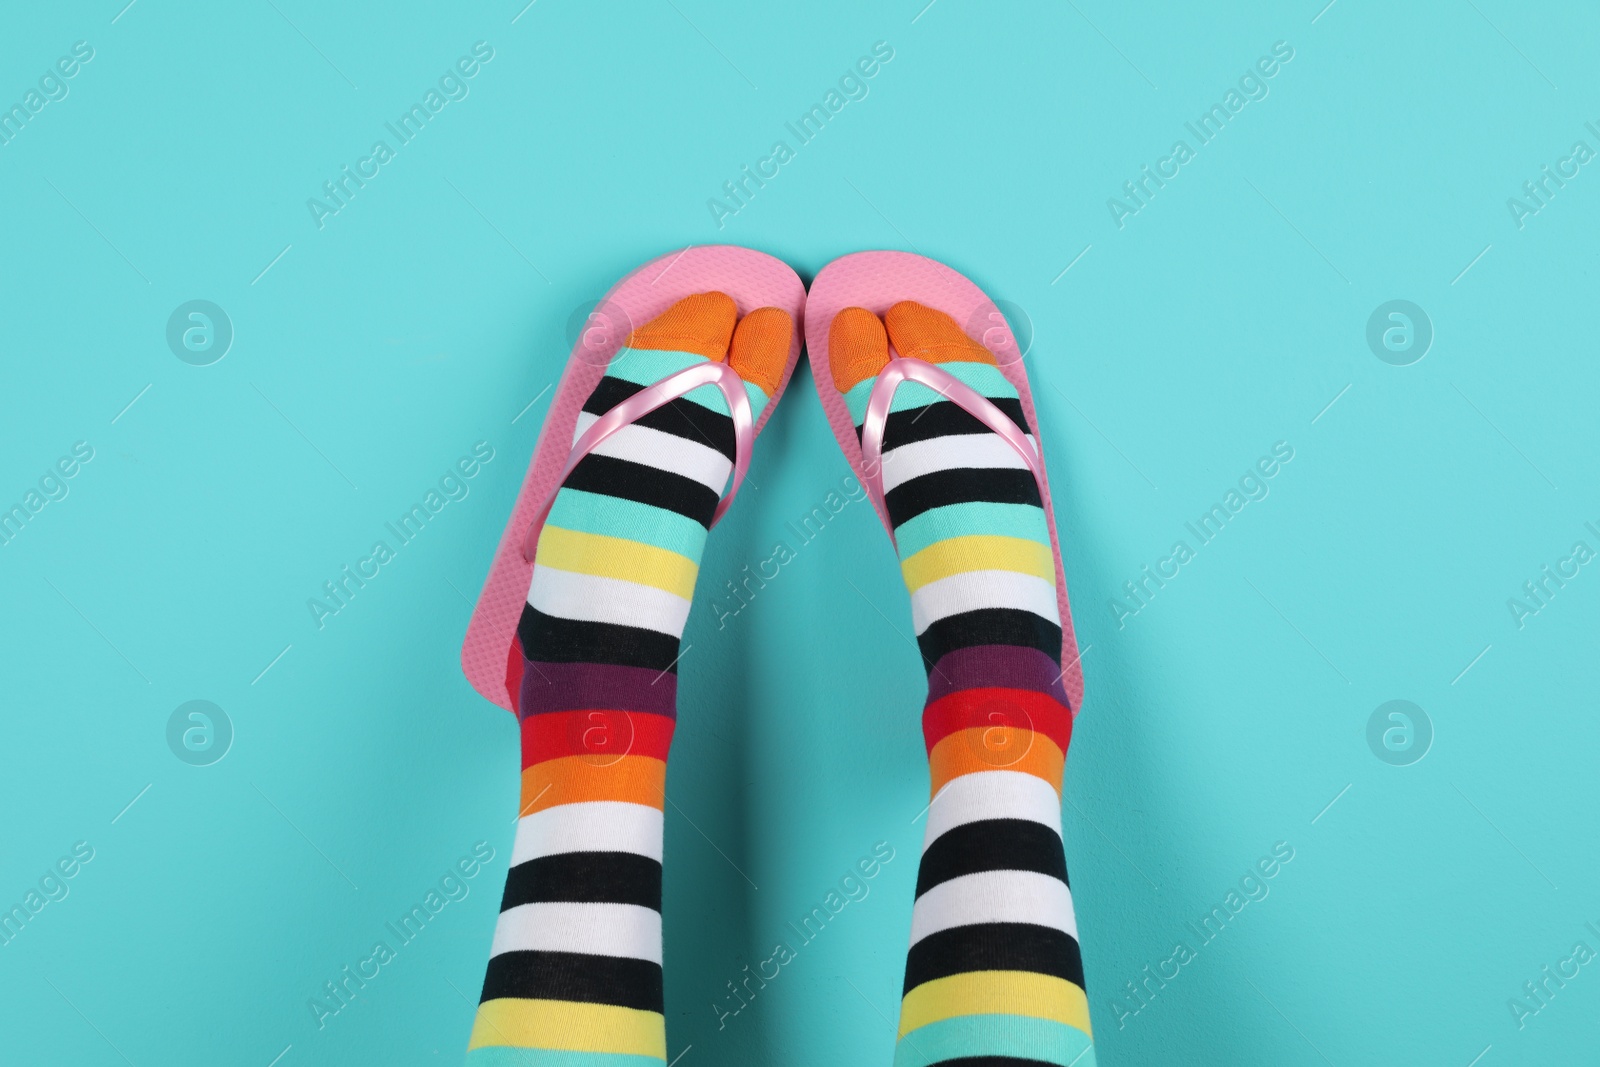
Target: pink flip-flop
490	657
877	281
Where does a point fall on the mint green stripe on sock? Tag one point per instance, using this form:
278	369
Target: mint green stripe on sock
507	1056
856	400
758	399
647	366
985	378
597	513
971	518
1020	1036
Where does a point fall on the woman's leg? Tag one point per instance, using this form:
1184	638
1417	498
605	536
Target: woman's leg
993	976
574	977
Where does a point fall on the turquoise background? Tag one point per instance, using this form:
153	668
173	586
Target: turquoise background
435	310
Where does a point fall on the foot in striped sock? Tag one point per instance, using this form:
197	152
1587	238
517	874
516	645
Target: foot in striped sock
574	977
994	975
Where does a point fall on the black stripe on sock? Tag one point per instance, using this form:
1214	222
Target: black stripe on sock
555	640
681	418
578	976
664	489
992	845
960	485
994	1061
941	418
988	626
994	947
585	878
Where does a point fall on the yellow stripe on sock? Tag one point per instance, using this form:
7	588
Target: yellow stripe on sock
616	557
1039	996
569	1026
977	552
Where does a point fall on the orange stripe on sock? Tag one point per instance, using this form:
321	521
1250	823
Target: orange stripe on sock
858	348
925	333
975	750
576	779
1000	712
597	736
760	348
702	324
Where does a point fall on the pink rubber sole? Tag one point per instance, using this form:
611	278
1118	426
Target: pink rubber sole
877	281
753	279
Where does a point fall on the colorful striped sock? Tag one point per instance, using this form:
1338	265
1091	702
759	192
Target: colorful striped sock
993	976
574	976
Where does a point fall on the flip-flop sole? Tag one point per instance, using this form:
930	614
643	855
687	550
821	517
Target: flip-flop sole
753	279
877	281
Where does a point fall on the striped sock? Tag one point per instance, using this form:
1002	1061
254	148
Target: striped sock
574	976
993	976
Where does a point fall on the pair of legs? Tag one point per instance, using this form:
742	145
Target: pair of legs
993	976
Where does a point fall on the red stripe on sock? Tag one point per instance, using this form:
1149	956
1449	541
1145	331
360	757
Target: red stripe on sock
1017	709
599	734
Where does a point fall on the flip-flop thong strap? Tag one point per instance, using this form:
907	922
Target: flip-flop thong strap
648	399
900	370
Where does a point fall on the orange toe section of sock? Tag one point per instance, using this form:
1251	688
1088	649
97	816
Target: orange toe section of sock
858	348
760	349
702	324
920	332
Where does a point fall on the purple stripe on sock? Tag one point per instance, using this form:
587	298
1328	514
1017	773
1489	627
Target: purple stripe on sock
579	686
1010	666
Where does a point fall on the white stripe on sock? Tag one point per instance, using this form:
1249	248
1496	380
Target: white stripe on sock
594	929
589	598
589	826
663	451
972	590
949	452
994	897
992	795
